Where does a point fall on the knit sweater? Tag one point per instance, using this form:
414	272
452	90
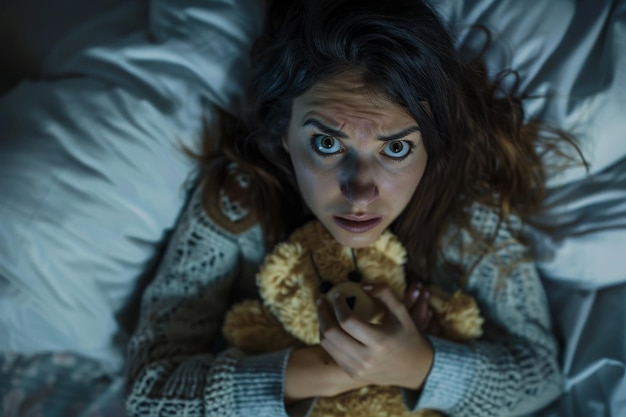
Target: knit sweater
177	367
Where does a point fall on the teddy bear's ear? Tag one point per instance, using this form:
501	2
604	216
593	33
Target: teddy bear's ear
390	245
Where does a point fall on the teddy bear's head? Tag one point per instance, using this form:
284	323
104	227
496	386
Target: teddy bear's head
311	263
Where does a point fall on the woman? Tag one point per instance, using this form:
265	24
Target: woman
363	115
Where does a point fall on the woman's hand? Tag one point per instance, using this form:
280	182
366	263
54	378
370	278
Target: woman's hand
416	299
391	353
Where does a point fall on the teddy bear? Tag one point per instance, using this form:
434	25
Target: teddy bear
311	263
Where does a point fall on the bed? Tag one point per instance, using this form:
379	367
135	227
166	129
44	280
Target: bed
97	104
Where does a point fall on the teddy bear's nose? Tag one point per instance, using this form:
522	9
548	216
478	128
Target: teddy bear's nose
355	276
325	286
351	302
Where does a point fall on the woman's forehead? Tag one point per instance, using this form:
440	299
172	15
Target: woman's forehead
344	85
346	92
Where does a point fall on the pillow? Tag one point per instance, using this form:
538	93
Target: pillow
567	51
569	54
92	171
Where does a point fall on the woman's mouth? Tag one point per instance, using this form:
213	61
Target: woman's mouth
356	225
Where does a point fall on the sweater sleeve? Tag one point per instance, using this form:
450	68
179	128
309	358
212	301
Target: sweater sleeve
172	370
513	369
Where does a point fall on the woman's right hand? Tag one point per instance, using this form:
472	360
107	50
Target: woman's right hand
312	372
393	352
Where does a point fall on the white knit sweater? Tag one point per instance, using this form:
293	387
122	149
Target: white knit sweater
176	367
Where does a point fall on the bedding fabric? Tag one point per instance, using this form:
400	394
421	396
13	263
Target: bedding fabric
569	55
590	325
92	167
92	177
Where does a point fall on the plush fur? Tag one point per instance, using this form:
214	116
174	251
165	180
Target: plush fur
289	282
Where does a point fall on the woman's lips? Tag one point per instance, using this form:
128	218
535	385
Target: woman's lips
357	224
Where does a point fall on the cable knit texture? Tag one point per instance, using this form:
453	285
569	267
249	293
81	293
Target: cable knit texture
175	368
513	369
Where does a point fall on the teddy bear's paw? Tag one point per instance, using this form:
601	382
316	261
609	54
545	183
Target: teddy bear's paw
459	317
251	328
369	401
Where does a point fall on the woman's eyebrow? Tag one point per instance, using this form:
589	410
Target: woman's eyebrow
326	129
340	135
400	135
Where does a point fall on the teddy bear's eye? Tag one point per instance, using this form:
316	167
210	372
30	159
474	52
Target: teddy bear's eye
325	286
355	276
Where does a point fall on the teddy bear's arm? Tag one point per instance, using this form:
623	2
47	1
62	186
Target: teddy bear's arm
250	327
457	315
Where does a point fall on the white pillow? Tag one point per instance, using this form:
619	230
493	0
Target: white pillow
571	53
92	173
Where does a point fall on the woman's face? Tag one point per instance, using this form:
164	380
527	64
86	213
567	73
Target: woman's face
357	157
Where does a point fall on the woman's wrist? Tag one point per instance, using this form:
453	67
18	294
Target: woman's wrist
423	364
311	372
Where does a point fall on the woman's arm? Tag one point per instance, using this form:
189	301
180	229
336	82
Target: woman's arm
312	372
513	369
171	367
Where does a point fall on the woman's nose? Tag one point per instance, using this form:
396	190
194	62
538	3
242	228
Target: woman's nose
359	194
357	183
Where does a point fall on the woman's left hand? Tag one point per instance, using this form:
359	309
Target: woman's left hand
391	353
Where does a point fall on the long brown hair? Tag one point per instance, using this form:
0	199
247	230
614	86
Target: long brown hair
480	147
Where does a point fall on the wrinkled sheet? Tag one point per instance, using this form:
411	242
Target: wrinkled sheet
93	172
590	325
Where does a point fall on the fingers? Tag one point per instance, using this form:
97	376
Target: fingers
420	312
411	294
434	329
417	301
338	344
374	353
389	299
338	324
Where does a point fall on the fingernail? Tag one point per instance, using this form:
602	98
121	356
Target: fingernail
368	287
415	294
427	294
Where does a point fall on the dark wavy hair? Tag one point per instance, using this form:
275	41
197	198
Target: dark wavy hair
479	147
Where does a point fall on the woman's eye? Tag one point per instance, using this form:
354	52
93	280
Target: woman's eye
326	145
397	149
